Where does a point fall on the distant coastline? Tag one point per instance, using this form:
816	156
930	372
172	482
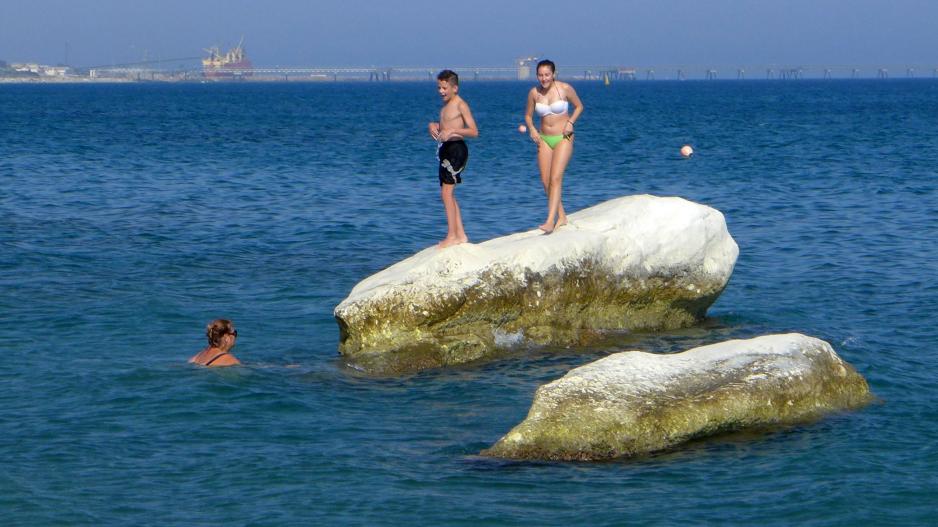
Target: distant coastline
61	80
319	80
606	74
234	66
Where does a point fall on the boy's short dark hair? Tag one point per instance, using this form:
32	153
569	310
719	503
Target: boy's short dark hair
449	76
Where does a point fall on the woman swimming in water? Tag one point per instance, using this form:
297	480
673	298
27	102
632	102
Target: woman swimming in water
551	100
221	335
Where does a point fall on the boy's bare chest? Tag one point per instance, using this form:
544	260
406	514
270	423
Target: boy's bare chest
450	113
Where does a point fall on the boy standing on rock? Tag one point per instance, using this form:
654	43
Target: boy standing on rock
456	123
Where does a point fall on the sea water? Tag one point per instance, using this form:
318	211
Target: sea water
132	215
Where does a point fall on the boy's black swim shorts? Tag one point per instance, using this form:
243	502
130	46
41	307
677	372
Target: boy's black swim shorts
453	156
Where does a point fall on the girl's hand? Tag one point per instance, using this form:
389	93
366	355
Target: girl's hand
536	137
567	129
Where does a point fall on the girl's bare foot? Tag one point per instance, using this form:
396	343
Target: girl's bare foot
547	228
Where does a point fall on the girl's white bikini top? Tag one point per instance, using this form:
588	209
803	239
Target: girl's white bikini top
555	108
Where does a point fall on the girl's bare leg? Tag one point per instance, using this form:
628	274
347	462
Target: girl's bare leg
556	216
545	156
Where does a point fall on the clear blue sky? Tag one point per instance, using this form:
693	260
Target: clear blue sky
476	32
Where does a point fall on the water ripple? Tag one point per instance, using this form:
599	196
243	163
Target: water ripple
132	215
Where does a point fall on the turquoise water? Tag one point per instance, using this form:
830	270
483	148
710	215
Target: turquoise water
131	215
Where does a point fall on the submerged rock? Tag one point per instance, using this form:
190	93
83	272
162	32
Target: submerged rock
636	262
633	402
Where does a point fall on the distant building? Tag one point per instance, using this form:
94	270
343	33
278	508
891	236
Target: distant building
41	69
524	67
25	68
55	71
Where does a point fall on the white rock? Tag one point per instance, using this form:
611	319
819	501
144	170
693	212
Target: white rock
632	262
633	402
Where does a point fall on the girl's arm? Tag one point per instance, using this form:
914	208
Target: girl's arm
578	108
529	118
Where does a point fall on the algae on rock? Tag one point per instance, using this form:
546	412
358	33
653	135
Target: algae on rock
633	403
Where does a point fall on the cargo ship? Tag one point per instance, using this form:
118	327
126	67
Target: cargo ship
233	64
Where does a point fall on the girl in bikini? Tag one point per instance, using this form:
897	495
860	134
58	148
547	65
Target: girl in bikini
221	335
551	100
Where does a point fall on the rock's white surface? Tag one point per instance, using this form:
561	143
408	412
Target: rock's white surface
634	402
633	235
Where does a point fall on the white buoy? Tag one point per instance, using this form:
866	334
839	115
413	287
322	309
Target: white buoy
687	151
522	129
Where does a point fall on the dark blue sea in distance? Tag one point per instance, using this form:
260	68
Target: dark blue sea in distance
132	215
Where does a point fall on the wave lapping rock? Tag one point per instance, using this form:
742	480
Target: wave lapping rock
635	262
633	402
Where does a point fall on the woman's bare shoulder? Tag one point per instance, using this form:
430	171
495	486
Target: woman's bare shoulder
226	360
198	358
214	356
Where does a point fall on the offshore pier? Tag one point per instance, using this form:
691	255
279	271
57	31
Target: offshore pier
234	65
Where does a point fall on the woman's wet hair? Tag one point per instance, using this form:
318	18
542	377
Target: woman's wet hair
217	329
549	63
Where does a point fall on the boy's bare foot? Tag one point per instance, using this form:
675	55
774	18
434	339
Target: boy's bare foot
449	242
